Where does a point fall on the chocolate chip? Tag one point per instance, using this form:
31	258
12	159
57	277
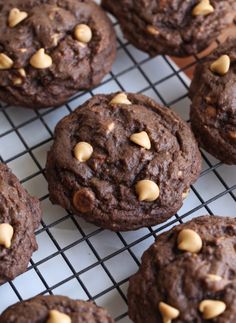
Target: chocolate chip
83	200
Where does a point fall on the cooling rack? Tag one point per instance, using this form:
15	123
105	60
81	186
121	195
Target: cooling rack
78	259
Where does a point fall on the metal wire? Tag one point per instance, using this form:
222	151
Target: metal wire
83	237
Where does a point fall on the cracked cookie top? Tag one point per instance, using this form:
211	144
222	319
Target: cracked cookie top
50	49
55	309
172	27
122	162
213	111
20	215
188	275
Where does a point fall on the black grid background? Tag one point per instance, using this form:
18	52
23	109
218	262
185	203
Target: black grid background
145	237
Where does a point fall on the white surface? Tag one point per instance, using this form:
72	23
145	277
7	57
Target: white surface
71	240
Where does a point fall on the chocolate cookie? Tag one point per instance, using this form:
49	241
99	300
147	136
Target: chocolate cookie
172	27
50	49
122	162
20	215
188	275
55	309
213	111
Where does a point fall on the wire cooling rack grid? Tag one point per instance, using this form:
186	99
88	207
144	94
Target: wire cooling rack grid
76	258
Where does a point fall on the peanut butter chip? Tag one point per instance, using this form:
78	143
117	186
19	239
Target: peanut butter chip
6	234
120	98
83	200
83	151
153	30
5	62
17	81
41	60
189	240
147	190
110	127
58	317
204	8
214	278
168	312
83	33
211	308
141	139
221	65
22	72
55	39
23	50
16	16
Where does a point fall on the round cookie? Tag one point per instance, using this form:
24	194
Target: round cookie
172	27
51	49
122	162
55	309
20	215
212	91
188	275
